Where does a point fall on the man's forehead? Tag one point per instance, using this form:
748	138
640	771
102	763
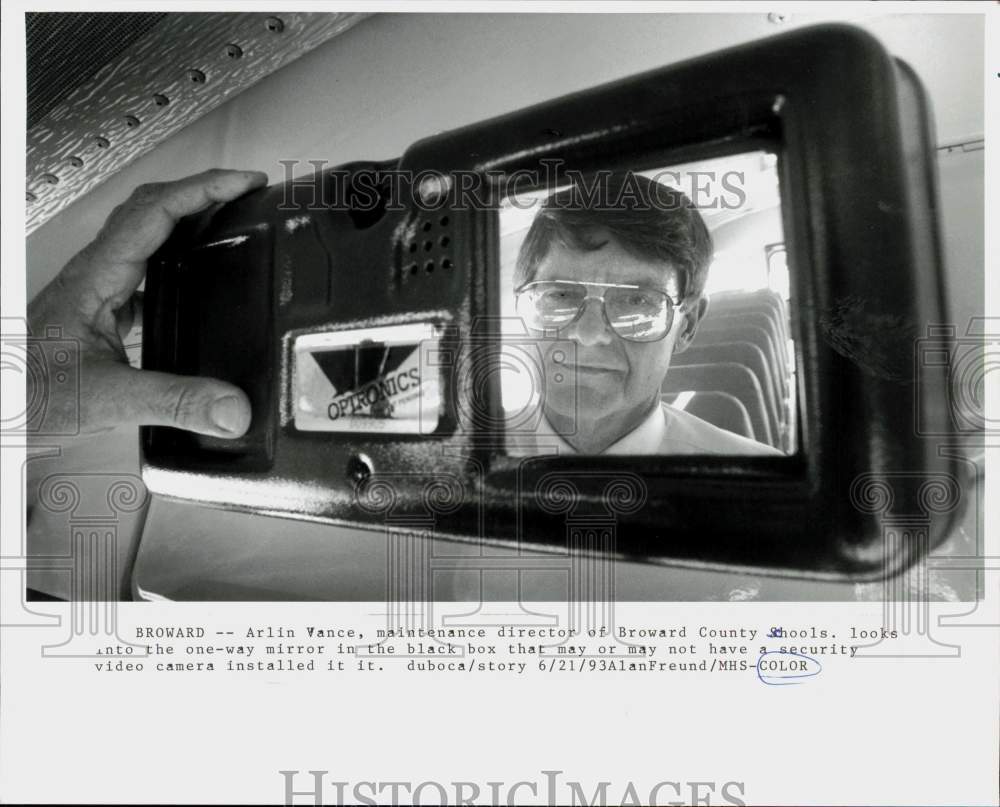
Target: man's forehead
611	263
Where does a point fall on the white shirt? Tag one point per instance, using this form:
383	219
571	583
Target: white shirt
665	430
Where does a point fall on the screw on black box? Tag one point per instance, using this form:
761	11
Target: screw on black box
359	469
433	190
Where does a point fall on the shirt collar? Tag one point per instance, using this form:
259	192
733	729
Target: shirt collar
645	438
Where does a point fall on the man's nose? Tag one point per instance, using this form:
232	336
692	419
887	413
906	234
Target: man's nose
591	328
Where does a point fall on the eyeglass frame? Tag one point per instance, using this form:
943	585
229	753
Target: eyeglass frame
674	304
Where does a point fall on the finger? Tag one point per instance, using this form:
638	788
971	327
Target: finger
118	395
128	317
115	262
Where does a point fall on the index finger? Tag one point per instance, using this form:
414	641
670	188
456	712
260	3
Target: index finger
116	259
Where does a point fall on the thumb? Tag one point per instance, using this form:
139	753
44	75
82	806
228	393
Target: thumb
119	395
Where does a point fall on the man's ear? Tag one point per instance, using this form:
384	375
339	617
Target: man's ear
694	311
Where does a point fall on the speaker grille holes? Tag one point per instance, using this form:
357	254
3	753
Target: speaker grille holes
420	238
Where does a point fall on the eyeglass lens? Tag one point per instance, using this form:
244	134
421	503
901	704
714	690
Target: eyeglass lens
633	313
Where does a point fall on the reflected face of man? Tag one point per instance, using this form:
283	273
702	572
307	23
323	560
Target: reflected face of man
614	381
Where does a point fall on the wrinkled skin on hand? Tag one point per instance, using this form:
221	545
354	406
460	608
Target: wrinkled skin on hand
93	303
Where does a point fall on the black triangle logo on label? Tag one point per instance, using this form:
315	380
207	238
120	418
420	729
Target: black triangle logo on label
351	369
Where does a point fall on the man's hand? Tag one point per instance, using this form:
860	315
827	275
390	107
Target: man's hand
92	301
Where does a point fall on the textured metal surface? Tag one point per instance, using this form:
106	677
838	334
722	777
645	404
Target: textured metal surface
66	49
185	66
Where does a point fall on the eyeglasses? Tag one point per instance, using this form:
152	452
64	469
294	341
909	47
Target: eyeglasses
635	313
